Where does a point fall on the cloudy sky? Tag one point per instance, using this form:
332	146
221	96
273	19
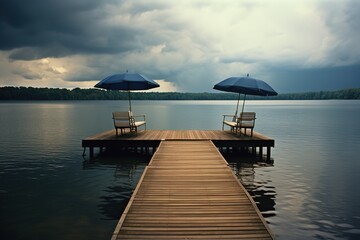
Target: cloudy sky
186	45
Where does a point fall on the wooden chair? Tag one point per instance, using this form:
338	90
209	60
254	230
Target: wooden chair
245	120
124	120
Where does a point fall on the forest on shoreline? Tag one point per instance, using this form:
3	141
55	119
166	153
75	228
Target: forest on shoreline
30	93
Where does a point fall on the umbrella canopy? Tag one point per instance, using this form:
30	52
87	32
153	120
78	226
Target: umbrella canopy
246	86
126	82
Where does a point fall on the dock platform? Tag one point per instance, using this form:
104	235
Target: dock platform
152	139
189	192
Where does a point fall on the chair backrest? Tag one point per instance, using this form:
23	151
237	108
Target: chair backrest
122	119
247	117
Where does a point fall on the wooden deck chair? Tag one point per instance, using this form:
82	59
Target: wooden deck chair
124	120
245	120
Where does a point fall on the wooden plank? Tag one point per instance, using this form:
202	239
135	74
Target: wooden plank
178	135
189	192
151	138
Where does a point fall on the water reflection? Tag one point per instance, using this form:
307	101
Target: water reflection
244	166
47	189
127	169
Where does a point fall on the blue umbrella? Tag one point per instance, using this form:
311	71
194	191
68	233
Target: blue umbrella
247	86
126	82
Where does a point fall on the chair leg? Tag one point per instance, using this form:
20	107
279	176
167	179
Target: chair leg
238	131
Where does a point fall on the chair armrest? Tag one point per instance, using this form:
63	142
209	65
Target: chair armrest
228	115
141	115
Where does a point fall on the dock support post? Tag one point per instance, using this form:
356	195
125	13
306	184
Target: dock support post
253	150
261	152
268	154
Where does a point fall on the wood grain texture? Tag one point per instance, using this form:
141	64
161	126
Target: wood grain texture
188	192
177	135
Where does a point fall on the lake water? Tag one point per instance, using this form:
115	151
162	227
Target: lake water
49	191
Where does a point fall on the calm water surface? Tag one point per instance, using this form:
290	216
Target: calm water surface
50	192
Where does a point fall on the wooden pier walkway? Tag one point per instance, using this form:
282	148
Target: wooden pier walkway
189	192
152	138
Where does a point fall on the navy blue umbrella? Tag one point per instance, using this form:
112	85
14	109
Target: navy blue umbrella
127	82
246	86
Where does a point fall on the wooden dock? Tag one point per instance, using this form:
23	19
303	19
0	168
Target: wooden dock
189	192
152	139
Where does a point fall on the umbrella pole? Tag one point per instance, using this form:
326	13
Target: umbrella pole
129	100
243	104
237	106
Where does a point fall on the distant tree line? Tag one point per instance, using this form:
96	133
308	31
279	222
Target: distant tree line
30	93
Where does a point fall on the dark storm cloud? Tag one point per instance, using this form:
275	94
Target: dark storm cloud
38	29
192	44
288	80
343	23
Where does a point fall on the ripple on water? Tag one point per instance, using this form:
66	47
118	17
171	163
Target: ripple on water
308	226
353	231
326	223
344	225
